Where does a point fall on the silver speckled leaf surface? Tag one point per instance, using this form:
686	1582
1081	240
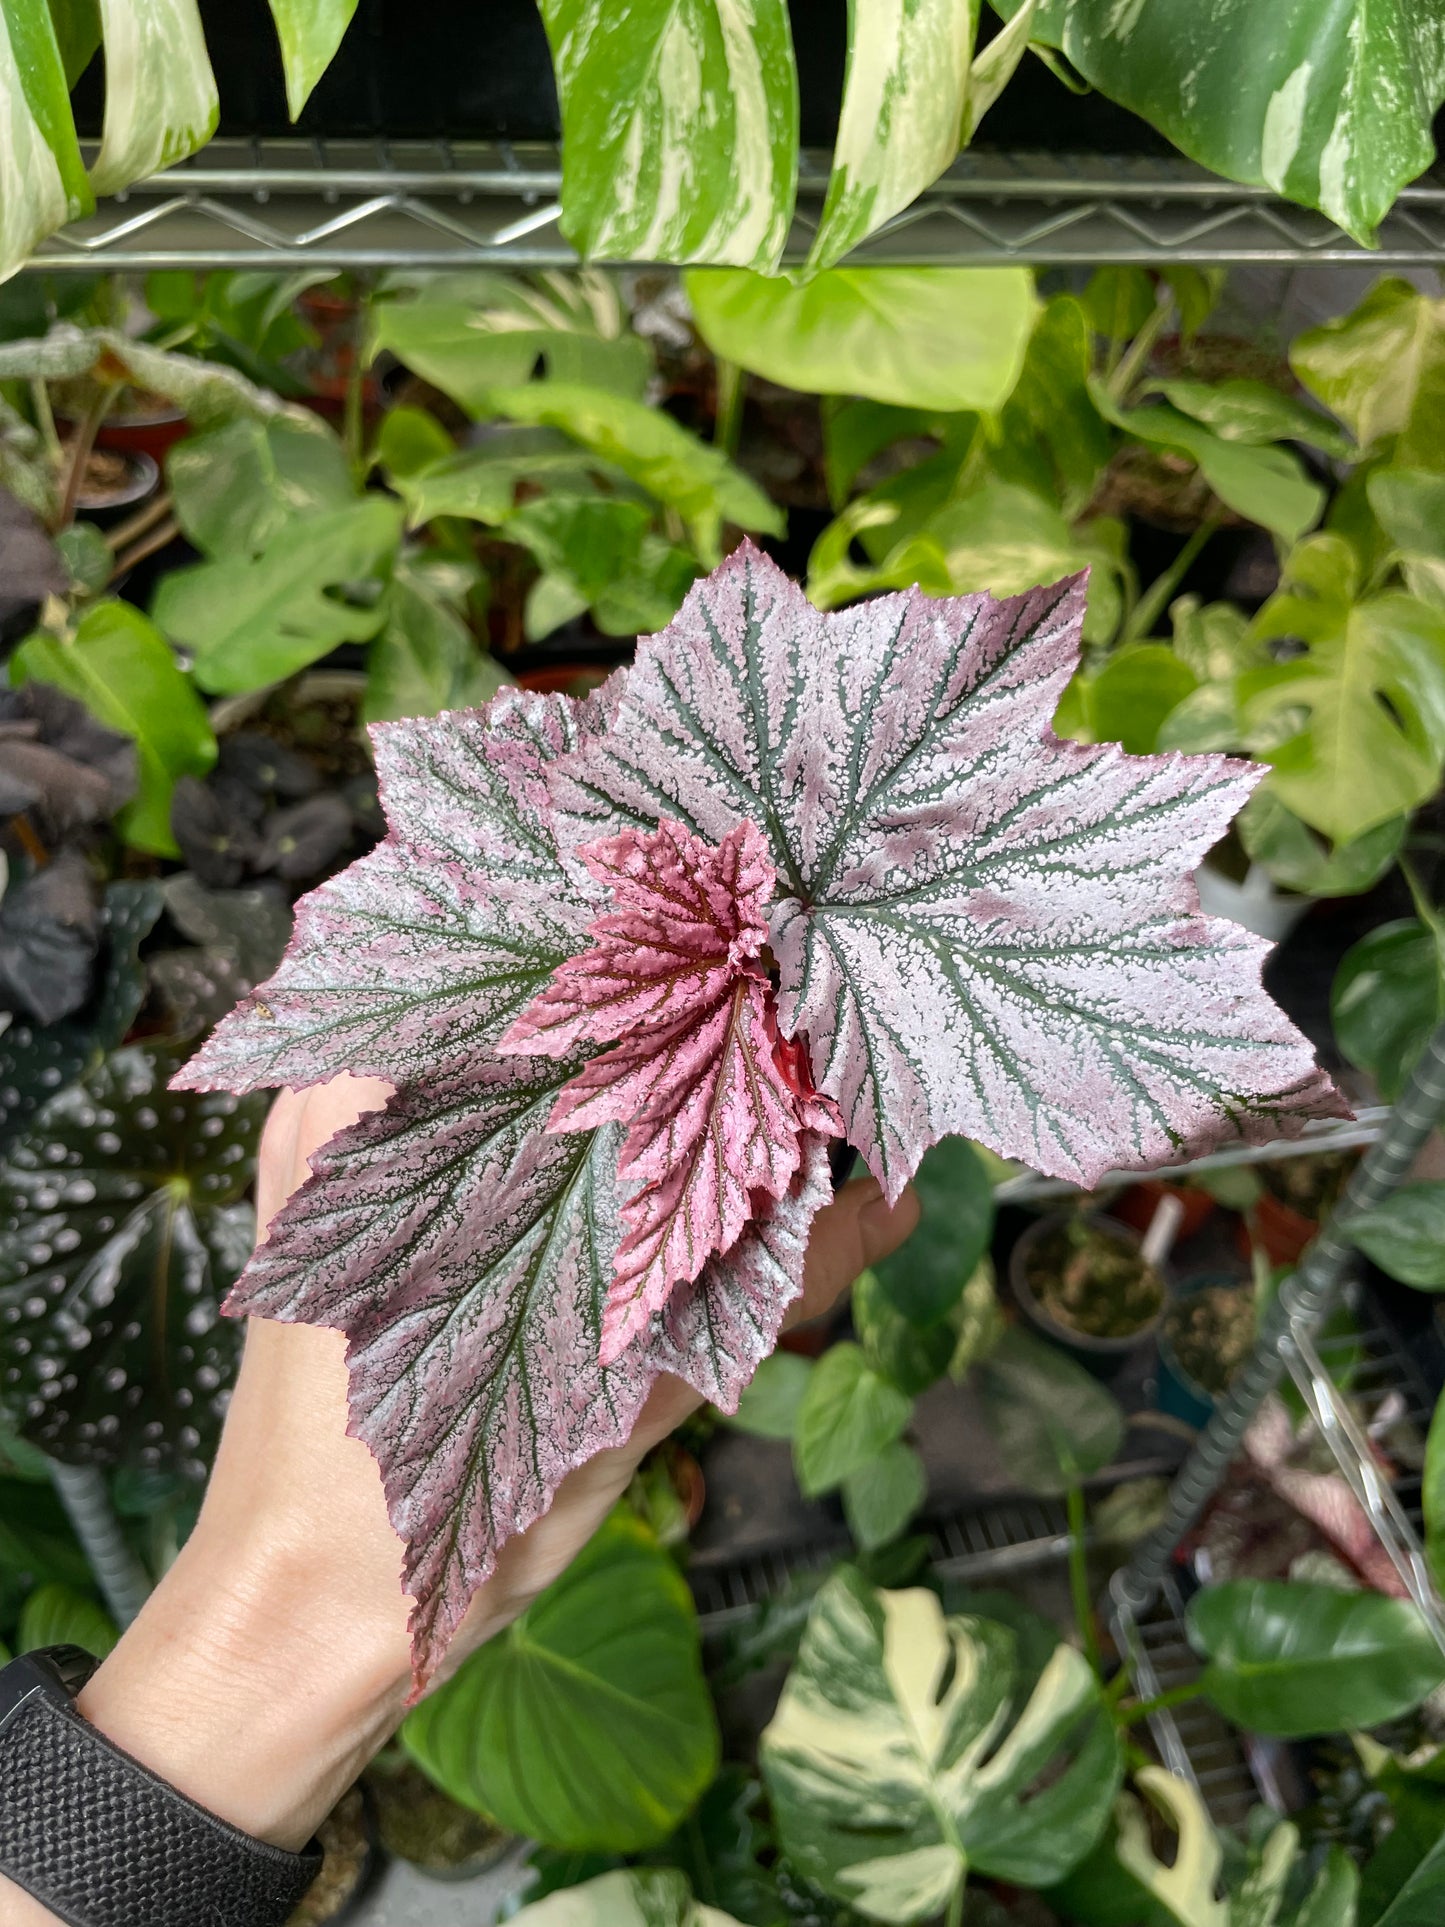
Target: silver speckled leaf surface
980	928
465	1251
977	928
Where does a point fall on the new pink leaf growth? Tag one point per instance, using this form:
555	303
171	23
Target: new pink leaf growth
713	1100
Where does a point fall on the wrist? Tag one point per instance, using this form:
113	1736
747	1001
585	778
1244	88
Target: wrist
255	1681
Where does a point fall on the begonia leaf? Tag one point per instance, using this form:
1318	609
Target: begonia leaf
672	981
980	928
973	927
466	1251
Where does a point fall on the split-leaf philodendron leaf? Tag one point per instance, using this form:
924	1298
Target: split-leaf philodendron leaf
909	1749
972	927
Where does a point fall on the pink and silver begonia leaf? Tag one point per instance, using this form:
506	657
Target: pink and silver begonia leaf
979	928
422	952
467	1255
672	981
465	1251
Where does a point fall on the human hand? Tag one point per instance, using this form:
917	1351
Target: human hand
273	1660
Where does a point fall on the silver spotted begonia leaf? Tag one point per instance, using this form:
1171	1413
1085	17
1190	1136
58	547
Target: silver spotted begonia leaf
980	928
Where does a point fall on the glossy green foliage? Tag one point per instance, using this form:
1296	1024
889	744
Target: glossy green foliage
1405	1235
926	1278
942	339
1387	997
1295	1659
848	1414
59	1615
602	1669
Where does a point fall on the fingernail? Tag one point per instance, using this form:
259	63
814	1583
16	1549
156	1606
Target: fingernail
876	1227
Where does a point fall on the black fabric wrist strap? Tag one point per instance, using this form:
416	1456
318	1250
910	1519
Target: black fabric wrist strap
100	1840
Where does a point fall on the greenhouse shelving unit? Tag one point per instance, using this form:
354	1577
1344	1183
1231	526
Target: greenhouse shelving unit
375	204
372	205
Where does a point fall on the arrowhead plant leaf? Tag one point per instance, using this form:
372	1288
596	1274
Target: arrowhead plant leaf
628	964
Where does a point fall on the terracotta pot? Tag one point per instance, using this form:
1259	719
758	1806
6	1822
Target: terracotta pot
1280	1231
150	434
688	1482
565	678
151	430
1136	1206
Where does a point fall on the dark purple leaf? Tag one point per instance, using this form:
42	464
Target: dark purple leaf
215	838
305	839
50	927
58	764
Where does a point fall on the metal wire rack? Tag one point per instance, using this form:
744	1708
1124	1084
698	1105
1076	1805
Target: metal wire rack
373	204
1354	1385
1384	1388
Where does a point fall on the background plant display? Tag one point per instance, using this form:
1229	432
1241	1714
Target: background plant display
1336	113
495	494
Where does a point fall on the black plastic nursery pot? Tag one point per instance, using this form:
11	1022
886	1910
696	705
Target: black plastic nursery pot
107	502
1103	1356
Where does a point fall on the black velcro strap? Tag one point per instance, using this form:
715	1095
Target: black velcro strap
103	1842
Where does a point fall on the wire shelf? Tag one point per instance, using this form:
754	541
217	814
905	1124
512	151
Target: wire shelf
377	204
1384	1387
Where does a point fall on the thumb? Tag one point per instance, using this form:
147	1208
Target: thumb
855	1231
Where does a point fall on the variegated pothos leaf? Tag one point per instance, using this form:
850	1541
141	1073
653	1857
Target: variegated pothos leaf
160	94
680	128
980	929
904	104
45	183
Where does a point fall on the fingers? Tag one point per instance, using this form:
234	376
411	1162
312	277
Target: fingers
299	1124
858	1229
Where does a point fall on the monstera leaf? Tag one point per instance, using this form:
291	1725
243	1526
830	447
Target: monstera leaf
1124	1880
969	927
907	1751
124	1226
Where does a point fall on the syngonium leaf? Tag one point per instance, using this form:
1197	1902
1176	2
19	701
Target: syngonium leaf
498	1237
952	885
713	1105
980	929
909	1749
